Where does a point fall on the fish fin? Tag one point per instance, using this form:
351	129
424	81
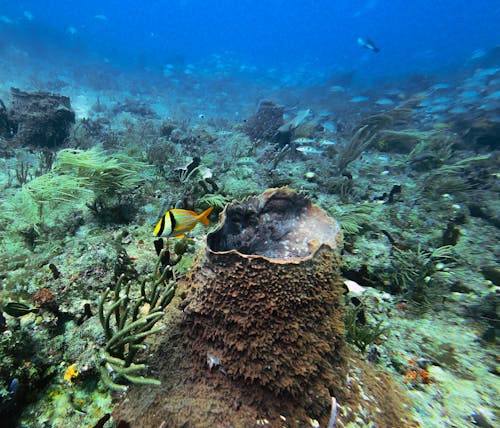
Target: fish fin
203	217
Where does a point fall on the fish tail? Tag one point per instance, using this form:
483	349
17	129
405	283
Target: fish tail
203	217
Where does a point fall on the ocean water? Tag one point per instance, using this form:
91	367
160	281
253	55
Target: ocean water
128	127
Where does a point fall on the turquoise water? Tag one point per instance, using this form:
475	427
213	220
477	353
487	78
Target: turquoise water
119	116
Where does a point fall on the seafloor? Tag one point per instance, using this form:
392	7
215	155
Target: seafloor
409	167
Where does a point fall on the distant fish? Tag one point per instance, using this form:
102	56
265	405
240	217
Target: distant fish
358	99
327	143
6	20
309	150
336	88
440	86
101	17
494	96
28	15
302	141
478	53
486	72
177	221
459	110
329	126
368	44
384	102
71	30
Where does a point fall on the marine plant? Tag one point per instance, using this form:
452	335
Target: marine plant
353	218
107	176
364	135
414	271
213	200
41	204
360	334
433	150
112	179
449	178
128	316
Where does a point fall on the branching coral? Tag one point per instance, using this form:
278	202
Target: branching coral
134	319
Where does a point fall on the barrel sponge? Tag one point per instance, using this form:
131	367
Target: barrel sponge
264	298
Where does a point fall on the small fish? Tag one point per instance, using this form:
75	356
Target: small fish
15	309
368	44
327	143
309	150
384	102
440	86
359	99
336	88
177	221
303	140
6	20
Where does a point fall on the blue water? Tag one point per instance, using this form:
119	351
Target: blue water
319	36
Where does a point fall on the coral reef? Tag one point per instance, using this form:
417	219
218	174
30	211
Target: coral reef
5	124
260	339
40	118
264	124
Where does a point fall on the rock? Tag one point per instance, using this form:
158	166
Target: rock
40	118
492	272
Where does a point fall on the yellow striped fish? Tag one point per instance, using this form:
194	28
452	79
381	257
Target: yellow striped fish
177	221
